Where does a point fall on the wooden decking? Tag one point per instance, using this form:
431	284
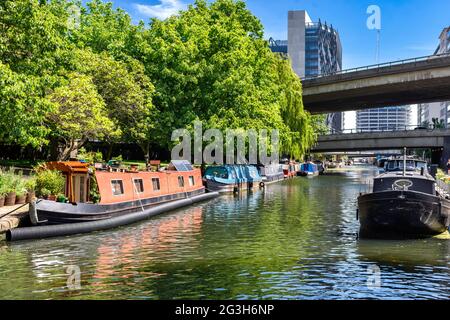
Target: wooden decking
13	220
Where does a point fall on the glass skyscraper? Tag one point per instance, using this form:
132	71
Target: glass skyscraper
314	48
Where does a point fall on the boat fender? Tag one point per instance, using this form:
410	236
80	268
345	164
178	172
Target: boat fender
357	214
262	185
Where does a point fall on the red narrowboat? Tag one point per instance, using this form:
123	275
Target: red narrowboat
121	191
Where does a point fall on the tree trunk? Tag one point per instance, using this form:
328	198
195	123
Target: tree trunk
146	149
109	153
54	149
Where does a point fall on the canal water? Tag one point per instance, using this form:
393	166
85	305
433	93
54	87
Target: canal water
294	240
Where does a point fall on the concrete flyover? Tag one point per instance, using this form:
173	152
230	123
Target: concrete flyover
398	83
437	140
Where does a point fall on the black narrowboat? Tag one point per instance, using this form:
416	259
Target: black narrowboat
403	203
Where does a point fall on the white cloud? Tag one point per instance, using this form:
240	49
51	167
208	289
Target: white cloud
163	10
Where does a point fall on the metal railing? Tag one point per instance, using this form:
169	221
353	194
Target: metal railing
379	66
391	129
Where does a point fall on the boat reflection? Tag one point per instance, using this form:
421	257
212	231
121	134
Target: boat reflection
128	251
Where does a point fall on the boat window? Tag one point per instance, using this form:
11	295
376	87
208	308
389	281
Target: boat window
181	181
191	181
117	187
156	185
217	172
139	185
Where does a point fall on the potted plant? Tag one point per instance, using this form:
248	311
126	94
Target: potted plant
30	185
61	198
21	192
44	193
2	190
10	182
49	183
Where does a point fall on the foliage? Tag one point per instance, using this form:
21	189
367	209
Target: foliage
64	84
80	114
49	181
94	194
89	157
214	66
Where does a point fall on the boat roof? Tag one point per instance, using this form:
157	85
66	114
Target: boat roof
180	166
68	166
408	175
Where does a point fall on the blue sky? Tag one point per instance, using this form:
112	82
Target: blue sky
410	28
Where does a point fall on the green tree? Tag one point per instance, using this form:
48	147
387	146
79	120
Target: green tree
23	108
127	93
80	115
211	63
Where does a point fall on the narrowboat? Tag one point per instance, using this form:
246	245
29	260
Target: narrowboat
308	169
320	166
225	179
404	202
121	191
254	179
271	173
290	169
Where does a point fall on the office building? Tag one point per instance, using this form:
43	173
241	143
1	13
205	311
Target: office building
314	49
437	110
383	119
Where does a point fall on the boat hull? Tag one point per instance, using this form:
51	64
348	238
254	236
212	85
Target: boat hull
51	213
402	213
215	186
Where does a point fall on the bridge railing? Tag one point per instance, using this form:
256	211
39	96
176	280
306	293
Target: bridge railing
379	66
388	129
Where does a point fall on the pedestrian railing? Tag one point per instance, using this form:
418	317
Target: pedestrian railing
381	65
443	186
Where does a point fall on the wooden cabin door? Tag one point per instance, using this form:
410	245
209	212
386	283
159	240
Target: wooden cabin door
79	183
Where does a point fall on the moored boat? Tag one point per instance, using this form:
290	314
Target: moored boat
404	202
308	169
290	169
231	178
271	173
121	192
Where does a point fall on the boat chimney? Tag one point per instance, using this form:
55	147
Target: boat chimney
404	161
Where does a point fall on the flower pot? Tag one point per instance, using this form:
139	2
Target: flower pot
21	199
10	199
2	201
30	196
51	198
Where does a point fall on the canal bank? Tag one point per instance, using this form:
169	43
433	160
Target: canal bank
13	217
296	239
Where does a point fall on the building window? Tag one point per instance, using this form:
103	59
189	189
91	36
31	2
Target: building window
156	185
191	181
138	185
181	182
117	187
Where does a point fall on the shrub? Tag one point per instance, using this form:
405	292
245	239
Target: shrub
89	157
49	181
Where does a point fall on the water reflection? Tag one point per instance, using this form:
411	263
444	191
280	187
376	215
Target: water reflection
293	240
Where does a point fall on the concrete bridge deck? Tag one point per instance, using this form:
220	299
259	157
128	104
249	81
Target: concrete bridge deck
398	83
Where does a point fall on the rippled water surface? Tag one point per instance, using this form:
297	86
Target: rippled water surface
294	240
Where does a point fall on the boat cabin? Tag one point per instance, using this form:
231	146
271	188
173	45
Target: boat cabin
129	185
408	182
77	179
411	165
